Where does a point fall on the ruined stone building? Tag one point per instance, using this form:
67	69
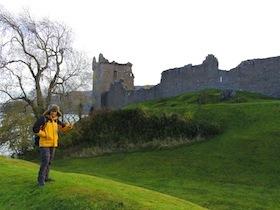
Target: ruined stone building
104	74
115	91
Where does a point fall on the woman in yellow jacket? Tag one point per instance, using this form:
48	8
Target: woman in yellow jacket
47	128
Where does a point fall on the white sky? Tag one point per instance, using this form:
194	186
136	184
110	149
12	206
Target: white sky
156	35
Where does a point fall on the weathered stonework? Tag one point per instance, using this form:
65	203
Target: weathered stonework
104	73
257	75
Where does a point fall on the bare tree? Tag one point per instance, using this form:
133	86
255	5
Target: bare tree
37	60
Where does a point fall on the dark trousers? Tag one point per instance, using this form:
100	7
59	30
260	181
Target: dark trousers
47	155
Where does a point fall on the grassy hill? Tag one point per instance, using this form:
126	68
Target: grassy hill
19	190
238	169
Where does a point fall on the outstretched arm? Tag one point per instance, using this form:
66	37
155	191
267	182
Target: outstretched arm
64	127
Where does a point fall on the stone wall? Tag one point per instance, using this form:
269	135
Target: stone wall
258	75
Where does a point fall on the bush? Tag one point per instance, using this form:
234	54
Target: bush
104	128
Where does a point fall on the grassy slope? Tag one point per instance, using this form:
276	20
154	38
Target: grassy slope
19	190
238	169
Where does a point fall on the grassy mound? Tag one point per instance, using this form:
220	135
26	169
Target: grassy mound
19	190
237	169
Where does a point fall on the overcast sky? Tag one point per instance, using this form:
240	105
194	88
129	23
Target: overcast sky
156	35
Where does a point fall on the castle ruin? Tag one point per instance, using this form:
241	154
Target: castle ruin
105	73
115	91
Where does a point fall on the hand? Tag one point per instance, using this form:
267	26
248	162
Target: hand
70	125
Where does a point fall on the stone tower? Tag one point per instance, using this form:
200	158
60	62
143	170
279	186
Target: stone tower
104	74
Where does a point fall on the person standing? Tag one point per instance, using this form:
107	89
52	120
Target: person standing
47	128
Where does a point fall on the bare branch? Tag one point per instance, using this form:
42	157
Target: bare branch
37	59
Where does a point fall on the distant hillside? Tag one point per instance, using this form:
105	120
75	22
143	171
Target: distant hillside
74	99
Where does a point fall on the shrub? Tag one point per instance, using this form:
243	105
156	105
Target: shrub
104	128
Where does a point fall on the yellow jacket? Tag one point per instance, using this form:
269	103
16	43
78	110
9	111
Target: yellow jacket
47	129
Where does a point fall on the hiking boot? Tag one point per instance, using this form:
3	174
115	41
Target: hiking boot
49	180
41	184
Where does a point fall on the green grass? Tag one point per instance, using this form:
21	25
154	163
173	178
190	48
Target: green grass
238	169
19	190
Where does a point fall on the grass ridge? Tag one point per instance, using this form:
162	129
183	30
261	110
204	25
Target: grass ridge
19	190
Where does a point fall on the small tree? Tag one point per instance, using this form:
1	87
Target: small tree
16	127
37	60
